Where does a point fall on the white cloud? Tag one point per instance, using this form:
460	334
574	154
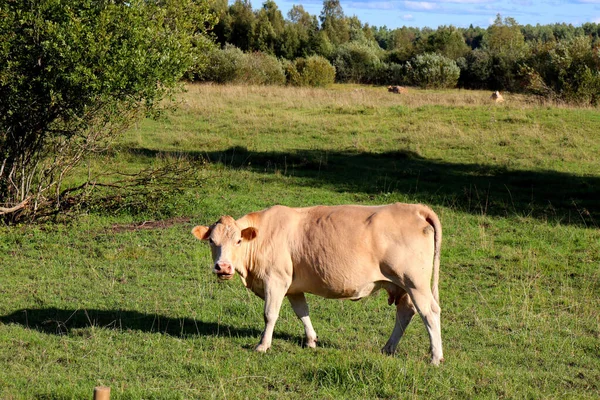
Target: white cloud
407	17
596	20
420	5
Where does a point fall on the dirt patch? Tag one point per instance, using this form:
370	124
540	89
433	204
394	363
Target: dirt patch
165	223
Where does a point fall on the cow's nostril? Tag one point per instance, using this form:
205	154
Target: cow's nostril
217	267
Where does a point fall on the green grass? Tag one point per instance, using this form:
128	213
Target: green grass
106	299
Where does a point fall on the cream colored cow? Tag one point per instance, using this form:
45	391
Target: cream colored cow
497	97
337	252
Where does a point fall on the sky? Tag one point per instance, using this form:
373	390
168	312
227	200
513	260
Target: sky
460	13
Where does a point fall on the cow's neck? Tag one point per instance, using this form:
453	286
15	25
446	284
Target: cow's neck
249	259
250	251
247	273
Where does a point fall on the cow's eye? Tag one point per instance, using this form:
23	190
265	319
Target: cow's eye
210	241
239	242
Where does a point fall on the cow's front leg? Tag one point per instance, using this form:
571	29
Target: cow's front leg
274	294
298	302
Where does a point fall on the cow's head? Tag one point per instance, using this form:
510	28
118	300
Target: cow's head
227	244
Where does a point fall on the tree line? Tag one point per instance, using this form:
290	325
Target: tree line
559	61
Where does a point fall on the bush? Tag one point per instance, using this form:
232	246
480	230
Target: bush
356	62
391	74
261	69
432	70
566	70
311	71
475	70
223	65
75	74
232	65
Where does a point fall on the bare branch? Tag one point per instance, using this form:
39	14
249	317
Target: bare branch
16	208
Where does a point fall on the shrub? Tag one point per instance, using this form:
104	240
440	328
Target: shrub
475	70
391	74
432	70
356	62
232	65
223	65
261	69
567	70
75	74
311	71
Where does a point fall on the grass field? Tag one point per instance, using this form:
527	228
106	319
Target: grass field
123	295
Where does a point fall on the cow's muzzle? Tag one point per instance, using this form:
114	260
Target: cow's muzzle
224	270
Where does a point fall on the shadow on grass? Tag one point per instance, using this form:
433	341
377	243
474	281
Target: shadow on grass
56	321
473	188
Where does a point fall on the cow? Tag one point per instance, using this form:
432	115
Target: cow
397	89
337	252
496	97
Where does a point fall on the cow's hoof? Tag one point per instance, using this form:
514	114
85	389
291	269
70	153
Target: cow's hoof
312	344
261	348
437	361
389	350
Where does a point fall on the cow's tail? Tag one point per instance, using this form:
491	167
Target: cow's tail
434	221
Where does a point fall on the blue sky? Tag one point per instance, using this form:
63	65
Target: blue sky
461	13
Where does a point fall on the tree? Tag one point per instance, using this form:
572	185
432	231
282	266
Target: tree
506	45
268	29
73	76
222	28
334	23
504	39
402	45
447	41
242	21
473	36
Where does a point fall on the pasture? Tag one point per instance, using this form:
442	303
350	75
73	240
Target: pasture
123	295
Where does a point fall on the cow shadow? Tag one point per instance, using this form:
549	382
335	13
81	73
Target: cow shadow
472	188
56	321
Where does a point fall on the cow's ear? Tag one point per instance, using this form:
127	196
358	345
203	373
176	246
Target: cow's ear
201	232
249	233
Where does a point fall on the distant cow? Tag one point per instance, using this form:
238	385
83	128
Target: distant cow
497	97
397	89
337	252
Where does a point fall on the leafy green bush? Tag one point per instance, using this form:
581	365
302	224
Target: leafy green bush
74	74
475	70
261	69
223	65
232	65
356	62
391	74
311	71
568	70
432	70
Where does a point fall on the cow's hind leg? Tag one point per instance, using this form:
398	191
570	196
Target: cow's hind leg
430	312
298	302
404	313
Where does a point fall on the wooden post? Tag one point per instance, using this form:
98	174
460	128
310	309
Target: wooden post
101	393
